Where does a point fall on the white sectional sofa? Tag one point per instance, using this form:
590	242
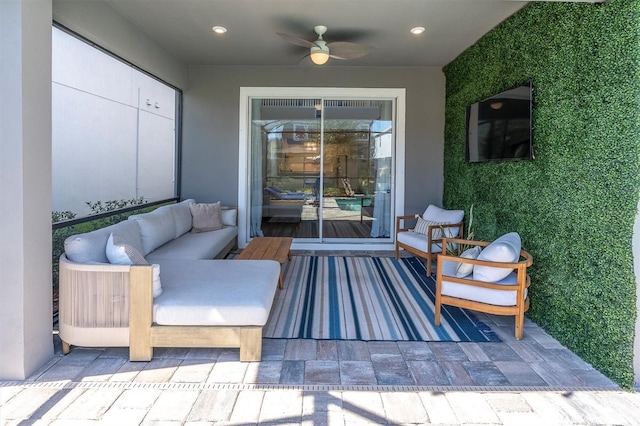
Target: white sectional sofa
166	287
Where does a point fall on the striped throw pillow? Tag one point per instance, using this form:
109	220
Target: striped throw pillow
422	227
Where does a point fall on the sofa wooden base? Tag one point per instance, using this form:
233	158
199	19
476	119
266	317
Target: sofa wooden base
248	339
144	335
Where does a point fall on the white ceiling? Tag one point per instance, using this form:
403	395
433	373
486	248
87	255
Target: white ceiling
183	28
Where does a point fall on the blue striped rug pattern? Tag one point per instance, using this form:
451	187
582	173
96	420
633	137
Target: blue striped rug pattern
366	298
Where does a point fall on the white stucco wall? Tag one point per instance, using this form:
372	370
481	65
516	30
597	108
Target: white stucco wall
113	129
100	23
25	187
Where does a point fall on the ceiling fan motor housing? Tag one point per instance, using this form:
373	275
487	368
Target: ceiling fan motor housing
319	52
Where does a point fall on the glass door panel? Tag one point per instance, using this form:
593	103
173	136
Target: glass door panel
358	151
285	168
321	170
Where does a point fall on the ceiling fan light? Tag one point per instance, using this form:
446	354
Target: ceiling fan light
319	57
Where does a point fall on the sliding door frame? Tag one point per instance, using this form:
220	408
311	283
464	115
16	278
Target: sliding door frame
247	94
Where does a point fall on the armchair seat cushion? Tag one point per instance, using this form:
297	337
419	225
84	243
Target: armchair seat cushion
479	294
417	241
281	194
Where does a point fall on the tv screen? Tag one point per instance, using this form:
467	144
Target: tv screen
499	128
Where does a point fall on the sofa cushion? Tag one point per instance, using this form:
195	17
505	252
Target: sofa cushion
465	269
503	249
156	228
439	215
182	216
479	294
206	217
216	292
203	245
90	247
120	252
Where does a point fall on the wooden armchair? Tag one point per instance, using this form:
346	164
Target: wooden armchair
427	246
507	296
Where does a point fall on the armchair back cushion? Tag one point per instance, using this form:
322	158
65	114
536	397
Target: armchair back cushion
504	249
439	215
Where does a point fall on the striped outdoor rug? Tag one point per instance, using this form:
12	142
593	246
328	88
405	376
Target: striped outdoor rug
366	298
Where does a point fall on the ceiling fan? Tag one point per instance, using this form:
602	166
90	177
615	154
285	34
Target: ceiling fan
320	51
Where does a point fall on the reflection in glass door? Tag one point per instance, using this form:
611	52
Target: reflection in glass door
321	169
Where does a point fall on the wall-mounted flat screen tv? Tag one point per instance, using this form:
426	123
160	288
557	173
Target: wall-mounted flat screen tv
499	128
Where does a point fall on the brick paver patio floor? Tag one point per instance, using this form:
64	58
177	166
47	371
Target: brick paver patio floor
532	381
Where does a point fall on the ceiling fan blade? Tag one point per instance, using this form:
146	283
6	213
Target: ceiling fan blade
306	60
297	41
346	50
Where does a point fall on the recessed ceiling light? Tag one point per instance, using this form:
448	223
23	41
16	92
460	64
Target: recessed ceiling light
219	30
417	30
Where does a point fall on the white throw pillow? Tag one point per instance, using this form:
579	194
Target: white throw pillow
206	217
422	227
120	252
504	249
229	217
465	269
157	285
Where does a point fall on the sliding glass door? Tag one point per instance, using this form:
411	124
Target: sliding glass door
358	149
286	154
321	169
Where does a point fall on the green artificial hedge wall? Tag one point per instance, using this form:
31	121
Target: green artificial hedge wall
575	204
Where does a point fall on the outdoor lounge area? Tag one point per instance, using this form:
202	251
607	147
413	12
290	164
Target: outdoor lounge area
327	381
524	113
